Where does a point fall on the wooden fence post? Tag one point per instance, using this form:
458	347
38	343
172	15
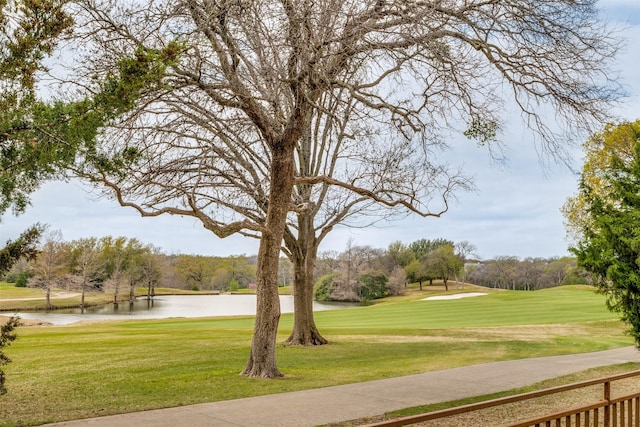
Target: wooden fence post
607	409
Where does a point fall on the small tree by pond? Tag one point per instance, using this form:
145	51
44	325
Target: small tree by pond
49	266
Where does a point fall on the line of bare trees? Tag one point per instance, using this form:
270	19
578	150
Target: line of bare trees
118	265
508	272
110	264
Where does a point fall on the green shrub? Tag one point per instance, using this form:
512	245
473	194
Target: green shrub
333	287
322	288
372	286
21	280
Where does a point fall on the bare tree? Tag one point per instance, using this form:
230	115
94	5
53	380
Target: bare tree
146	270
464	250
505	268
397	281
285	272
529	273
86	263
49	266
236	97
355	185
119	256
169	277
327	262
556	271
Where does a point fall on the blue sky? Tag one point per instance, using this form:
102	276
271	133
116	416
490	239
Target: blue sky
515	210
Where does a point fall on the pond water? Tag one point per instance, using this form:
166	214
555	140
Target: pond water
166	306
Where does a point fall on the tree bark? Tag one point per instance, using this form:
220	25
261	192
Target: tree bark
262	359
304	331
304	252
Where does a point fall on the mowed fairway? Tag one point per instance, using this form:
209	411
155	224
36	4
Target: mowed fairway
500	308
95	369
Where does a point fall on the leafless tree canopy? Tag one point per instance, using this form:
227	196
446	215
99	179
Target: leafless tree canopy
367	89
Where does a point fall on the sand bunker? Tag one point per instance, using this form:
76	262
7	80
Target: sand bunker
456	296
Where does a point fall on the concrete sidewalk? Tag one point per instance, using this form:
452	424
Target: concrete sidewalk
347	402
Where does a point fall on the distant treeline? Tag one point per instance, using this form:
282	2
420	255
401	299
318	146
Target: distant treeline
110	264
528	274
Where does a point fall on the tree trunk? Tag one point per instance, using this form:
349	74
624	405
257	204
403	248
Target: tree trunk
82	297
132	291
48	298
115	294
262	359
304	331
150	290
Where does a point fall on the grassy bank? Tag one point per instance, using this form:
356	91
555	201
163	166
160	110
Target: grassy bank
97	369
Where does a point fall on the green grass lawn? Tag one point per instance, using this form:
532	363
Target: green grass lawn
115	367
9	290
556	305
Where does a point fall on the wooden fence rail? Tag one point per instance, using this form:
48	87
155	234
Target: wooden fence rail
608	412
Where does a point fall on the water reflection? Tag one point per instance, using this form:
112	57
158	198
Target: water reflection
167	306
